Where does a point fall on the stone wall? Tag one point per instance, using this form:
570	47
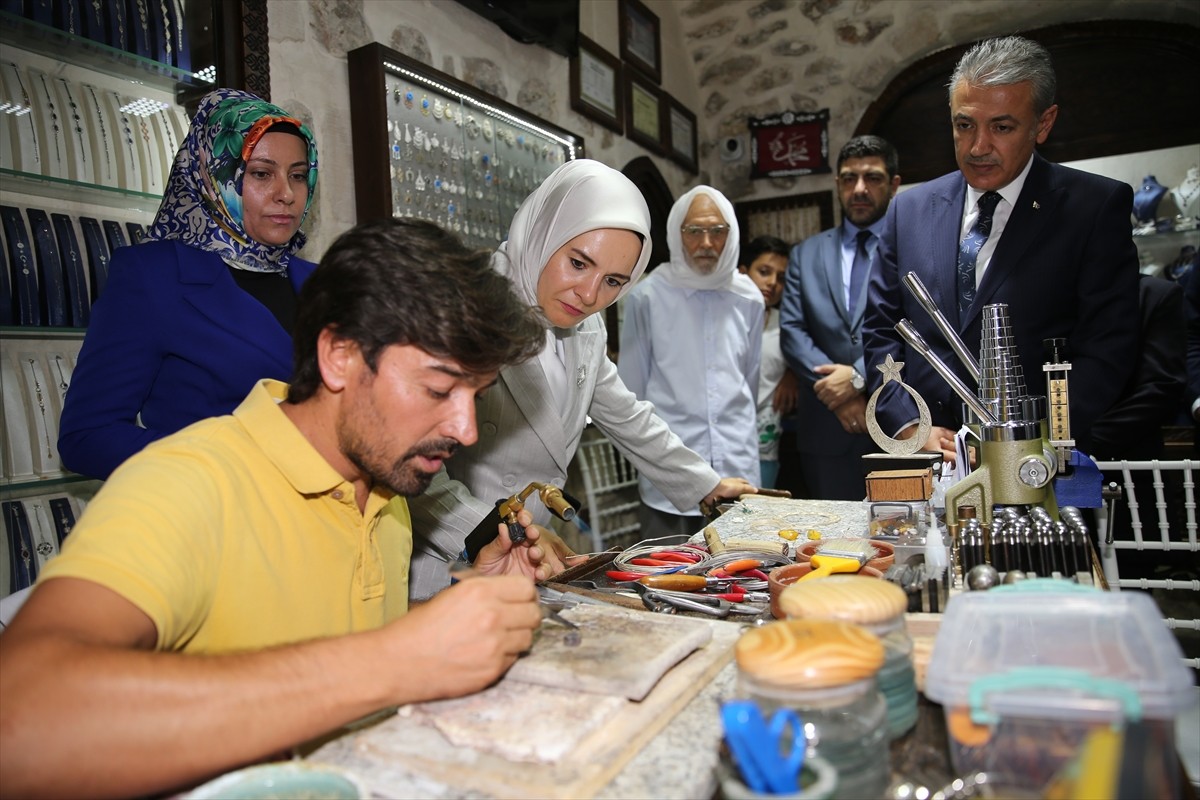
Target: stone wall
726	60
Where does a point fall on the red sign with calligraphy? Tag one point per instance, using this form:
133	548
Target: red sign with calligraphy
790	143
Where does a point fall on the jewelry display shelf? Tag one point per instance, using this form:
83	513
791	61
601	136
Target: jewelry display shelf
8	332
429	146
1158	252
58	45
47	186
17	488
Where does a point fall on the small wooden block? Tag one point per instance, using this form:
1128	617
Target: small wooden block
907	485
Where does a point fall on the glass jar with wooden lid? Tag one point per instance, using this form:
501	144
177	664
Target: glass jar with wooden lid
879	607
825	671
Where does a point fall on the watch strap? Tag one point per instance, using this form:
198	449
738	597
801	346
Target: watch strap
64	517
95	25
136	232
113	234
7	310
97	254
51	291
183	46
24	270
117	25
40	11
160	31
68	17
79	307
137	22
21	558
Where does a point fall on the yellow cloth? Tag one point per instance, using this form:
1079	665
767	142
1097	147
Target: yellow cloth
235	533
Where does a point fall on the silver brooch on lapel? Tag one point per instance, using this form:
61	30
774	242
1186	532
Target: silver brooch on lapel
581	375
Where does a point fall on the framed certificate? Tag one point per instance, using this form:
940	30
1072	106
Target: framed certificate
681	135
643	112
596	90
640	38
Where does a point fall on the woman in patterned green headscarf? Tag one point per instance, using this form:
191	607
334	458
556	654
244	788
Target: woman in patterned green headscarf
203	204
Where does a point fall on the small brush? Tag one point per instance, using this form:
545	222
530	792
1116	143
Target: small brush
840	555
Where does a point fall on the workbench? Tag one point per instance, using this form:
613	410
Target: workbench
679	757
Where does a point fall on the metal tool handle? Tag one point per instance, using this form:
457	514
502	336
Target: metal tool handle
918	290
714	607
917	342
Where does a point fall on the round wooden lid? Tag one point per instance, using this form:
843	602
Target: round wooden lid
852	598
809	653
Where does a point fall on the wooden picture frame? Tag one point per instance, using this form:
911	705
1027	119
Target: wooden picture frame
644	108
681	136
596	87
641	38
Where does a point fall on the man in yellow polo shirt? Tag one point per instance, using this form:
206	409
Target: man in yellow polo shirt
241	586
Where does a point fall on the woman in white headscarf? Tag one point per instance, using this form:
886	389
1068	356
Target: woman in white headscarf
576	245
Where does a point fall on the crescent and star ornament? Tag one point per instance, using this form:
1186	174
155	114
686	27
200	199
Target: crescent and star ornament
898	447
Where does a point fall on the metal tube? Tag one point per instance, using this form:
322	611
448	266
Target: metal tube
918	290
910	335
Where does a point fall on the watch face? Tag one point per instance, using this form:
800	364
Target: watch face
857	381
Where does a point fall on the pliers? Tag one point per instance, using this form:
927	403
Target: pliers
711	605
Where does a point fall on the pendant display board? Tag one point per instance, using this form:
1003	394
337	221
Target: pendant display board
75	131
24	152
429	146
35	380
33	529
56	264
56	156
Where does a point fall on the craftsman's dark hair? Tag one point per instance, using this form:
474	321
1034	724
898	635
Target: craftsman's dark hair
759	245
867	146
408	282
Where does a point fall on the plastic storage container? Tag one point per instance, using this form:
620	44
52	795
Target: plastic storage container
1026	672
824	671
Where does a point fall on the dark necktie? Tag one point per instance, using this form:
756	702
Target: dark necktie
968	250
859	269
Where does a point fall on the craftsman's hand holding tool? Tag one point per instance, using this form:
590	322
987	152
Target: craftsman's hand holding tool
525	557
471	633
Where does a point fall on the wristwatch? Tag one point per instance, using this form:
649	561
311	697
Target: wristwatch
857	380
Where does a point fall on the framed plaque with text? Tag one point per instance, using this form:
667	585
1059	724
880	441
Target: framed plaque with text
643	112
640	38
596	88
681	135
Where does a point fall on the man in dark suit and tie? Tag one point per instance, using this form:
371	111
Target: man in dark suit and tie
821	319
1053	243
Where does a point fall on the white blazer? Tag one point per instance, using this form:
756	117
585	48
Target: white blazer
523	438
